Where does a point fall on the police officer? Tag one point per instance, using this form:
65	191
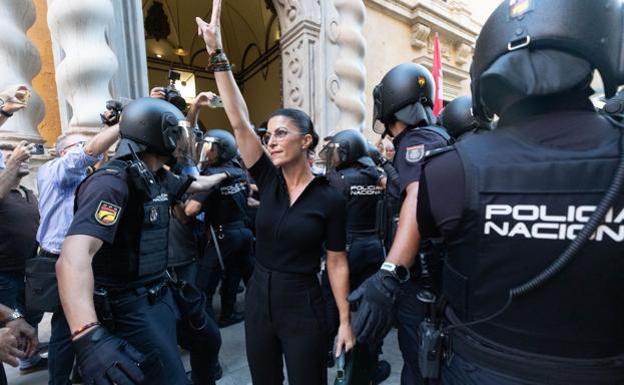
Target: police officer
353	173
458	119
116	250
403	104
226	213
532	212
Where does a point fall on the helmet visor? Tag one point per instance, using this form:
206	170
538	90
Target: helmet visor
331	156
204	147
378	126
179	140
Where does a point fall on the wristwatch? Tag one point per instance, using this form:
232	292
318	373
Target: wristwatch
15	314
399	272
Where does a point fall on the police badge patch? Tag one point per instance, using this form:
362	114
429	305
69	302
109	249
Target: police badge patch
107	213
415	154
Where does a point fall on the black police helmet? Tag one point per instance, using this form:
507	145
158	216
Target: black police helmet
588	29
225	142
457	117
351	148
406	93
150	125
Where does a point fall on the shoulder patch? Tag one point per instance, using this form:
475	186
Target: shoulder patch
415	154
107	213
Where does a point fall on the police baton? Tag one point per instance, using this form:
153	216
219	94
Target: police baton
217	248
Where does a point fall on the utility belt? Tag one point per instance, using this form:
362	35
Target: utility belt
439	343
220	228
111	302
533	368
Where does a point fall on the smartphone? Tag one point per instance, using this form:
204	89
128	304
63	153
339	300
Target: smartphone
216	102
37	149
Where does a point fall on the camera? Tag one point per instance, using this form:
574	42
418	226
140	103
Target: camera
114	108
172	94
37	149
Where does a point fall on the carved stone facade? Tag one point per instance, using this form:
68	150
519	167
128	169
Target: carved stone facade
452	20
88	64
20	63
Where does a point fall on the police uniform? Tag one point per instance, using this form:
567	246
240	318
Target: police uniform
411	146
225	208
202	341
524	307
130	266
539	214
360	186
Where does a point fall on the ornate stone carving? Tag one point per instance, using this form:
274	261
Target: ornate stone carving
289	8
293	72
83	76
350	64
420	35
464	52
19	63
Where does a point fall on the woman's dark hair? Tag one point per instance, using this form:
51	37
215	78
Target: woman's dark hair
301	120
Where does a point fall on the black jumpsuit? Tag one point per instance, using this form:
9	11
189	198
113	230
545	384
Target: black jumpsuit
284	307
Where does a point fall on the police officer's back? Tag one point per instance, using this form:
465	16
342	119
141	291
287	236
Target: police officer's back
522	194
353	173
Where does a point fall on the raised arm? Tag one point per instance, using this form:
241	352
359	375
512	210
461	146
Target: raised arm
235	107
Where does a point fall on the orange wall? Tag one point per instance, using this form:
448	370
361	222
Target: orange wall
45	83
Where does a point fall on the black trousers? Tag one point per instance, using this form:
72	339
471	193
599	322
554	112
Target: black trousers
284	317
235	244
150	326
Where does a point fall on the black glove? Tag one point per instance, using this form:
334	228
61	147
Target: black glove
375	300
192	304
105	359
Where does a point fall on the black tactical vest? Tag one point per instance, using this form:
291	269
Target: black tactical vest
139	252
228	202
523	205
364	195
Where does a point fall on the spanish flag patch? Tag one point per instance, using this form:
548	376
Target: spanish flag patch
107	213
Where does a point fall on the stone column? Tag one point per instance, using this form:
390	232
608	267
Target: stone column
19	64
349	66
300	54
84	74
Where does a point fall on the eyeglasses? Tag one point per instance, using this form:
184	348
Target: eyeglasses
279	135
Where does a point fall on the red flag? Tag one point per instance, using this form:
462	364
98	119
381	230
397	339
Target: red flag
438	77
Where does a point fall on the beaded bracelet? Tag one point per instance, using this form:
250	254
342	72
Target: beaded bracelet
219	62
85	327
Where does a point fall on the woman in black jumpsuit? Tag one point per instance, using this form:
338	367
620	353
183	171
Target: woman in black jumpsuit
299	214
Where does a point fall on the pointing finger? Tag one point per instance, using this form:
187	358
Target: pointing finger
216	12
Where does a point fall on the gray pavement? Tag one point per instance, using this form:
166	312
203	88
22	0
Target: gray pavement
232	358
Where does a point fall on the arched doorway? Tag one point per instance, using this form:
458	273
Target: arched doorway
251	37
